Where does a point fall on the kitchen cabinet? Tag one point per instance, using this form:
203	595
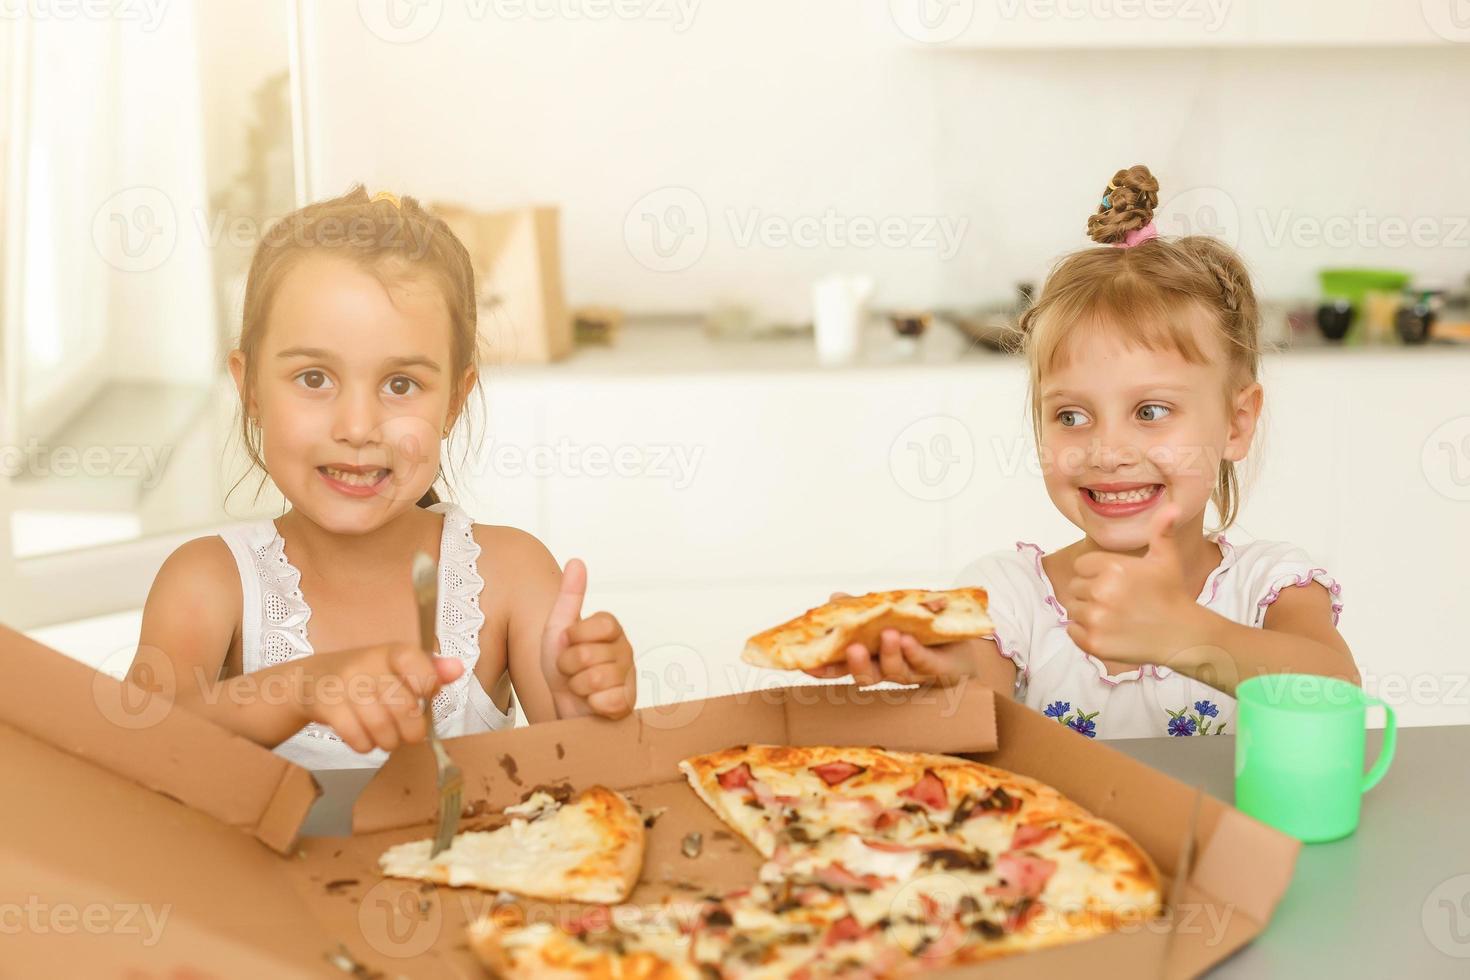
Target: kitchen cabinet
807	480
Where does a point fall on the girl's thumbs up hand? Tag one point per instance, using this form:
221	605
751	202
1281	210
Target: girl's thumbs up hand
1134	610
588	662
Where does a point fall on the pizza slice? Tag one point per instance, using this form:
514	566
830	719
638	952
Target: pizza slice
622	943
822	635
584	849
941	856
764	932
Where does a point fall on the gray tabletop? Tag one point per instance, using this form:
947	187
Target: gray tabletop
1391	901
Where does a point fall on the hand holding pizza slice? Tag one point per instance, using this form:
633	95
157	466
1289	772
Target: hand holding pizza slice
910	636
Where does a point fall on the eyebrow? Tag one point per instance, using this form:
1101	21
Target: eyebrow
317	353
1061	393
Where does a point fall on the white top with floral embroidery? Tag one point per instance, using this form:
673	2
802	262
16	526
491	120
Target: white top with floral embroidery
275	618
1054	676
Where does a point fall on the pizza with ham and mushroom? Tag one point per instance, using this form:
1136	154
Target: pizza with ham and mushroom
877	864
822	635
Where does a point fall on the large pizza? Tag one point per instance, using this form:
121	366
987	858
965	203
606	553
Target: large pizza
877	863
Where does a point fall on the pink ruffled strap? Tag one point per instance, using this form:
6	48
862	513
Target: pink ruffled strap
1293	580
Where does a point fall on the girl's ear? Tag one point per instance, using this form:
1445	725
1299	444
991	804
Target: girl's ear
466	385
1245	412
237	371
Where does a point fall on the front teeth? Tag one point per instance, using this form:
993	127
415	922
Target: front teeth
355	479
1125	497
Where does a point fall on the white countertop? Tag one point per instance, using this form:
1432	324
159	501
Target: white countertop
685	348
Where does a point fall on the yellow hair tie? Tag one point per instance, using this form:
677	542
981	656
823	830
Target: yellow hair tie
388	196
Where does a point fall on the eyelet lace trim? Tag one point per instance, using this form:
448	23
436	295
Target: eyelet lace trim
284	636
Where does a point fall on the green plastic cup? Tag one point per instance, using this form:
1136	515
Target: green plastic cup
1299	753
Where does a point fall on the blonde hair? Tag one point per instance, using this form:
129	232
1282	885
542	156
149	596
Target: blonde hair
1154	294
388	236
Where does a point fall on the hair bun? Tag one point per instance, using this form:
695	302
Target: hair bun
1127	204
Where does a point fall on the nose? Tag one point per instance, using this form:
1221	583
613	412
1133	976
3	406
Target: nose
356	422
1111	448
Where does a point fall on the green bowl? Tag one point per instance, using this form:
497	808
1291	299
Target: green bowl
1352	284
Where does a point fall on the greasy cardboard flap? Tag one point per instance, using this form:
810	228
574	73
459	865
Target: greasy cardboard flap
140	735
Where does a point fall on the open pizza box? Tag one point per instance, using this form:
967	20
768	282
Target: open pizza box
143	841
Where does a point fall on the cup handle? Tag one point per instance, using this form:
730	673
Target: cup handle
1385	752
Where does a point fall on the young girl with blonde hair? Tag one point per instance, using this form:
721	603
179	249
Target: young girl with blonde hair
1144	360
357	353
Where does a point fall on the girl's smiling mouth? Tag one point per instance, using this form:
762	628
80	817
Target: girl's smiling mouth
1121	499
354	481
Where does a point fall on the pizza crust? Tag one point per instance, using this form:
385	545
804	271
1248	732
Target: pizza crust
589	849
822	635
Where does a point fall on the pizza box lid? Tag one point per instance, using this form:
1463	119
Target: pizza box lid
133	808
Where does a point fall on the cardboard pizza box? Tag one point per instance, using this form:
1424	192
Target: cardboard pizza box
142	841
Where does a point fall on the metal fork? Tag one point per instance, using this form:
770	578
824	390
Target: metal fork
450	780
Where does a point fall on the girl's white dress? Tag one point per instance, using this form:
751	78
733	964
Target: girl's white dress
1055	677
275	621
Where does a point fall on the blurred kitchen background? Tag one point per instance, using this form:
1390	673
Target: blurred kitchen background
745	264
